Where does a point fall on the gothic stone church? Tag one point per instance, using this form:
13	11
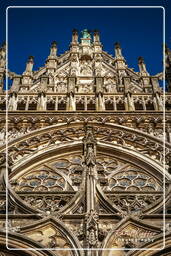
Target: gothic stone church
87	167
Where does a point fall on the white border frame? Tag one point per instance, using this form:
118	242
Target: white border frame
164	192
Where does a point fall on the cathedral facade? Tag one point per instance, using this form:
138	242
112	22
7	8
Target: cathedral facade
84	156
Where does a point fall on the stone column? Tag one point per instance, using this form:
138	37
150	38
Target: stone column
96	37
12	105
41	105
91	218
129	103
53	49
4	166
1	79
27	76
119	59
100	105
142	67
157	93
51	62
29	64
74	36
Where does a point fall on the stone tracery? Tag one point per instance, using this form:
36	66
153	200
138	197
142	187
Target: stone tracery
85	152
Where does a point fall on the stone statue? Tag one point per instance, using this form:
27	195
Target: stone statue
85	33
90	157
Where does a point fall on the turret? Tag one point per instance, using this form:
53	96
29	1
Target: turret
118	50
119	59
142	66
29	64
71	106
96	37
27	76
96	41
53	49
51	62
74	36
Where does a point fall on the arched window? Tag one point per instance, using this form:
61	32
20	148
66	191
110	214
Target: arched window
3	105
168	105
32	105
109	105
138	105
91	104
62	106
149	105
21	105
50	105
80	104
120	105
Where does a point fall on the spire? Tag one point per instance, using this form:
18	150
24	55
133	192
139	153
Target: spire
118	50
120	62
96	36
29	65
74	36
53	49
142	66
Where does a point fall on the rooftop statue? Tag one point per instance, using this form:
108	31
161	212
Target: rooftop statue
85	33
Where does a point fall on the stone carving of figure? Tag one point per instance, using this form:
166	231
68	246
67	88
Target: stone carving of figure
61	87
90	157
92	240
73	72
92	227
86	68
111	85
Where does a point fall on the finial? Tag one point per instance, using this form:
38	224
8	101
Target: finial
118	50
140	60
142	66
74	31
96	36
96	31
54	44
117	45
74	36
30	59
53	49
29	64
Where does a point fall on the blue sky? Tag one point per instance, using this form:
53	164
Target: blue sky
32	30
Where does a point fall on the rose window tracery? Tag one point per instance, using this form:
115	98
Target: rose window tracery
52	185
130	188
133	180
41	180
